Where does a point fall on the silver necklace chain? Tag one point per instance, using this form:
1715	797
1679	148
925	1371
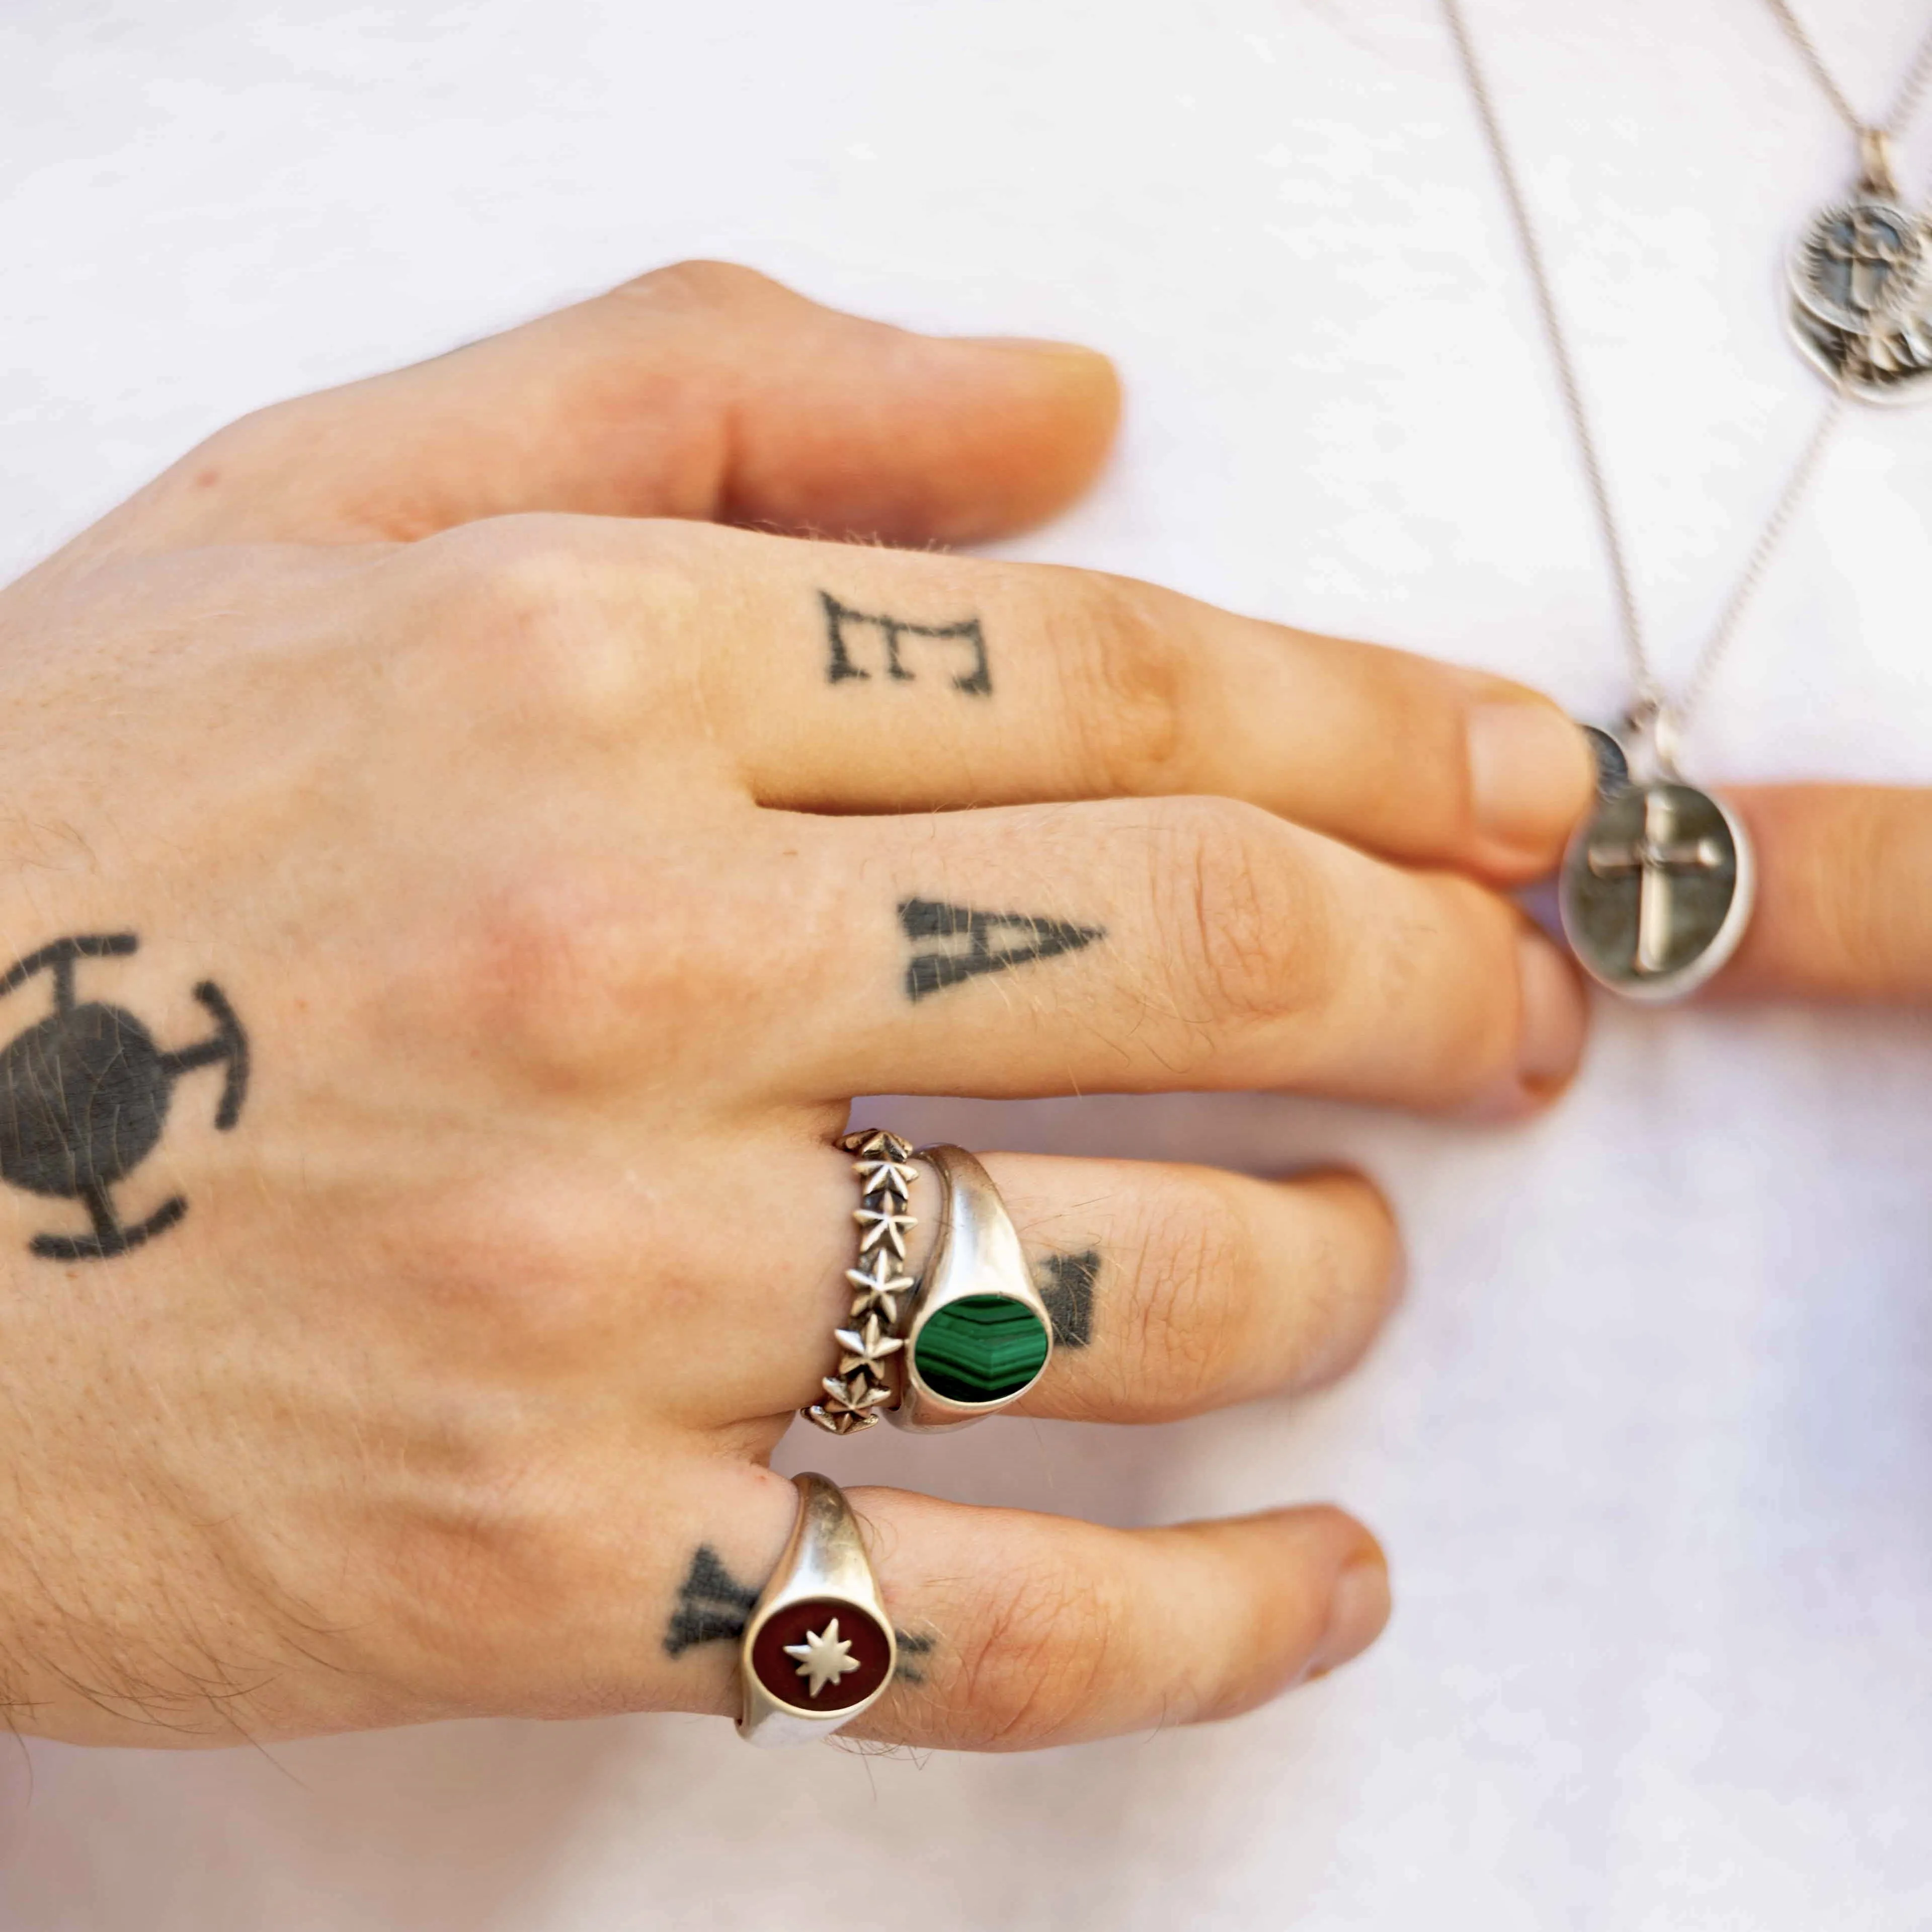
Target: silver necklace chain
1653	711
1911	90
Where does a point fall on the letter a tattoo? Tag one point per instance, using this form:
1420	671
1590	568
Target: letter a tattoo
994	941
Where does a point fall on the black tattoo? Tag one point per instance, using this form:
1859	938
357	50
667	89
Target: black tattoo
714	1607
1066	1285
84	1096
905	1671
712	1604
994	941
976	683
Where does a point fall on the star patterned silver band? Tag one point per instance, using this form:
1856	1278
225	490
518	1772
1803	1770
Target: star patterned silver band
863	1385
819	1648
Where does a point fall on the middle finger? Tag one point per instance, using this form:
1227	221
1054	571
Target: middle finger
1156	945
869	680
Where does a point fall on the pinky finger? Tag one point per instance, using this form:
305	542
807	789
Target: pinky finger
1019	1631
1843	912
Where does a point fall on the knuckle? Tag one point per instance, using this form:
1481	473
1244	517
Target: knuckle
1035	1667
1129	696
544	973
1248	920
704	285
542	622
1199	1266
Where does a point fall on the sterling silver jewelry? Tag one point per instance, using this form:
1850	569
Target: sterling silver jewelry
977	1334
819	1648
1656	888
1861	272
864	1383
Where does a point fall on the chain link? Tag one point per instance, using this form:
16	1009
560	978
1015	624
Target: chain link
1650	700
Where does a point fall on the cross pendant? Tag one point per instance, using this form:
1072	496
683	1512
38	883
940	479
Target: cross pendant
1864	253
1657	857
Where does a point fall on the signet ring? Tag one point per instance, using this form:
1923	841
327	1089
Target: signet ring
977	1334
819	1647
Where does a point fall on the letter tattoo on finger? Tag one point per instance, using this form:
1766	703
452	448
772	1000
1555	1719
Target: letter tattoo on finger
1066	1285
975	942
85	1093
843	662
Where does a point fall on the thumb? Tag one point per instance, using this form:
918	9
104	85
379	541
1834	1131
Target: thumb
702	391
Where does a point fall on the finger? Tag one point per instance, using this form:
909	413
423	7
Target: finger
971	682
1154	946
701	391
570	1591
1029	1631
1842	911
1172	1289
1017	1631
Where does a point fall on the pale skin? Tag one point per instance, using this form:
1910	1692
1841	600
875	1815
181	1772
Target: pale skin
558	877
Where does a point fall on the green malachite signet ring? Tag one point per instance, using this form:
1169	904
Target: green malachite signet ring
977	1335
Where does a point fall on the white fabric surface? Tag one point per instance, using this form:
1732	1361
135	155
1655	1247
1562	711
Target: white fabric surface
1650	1443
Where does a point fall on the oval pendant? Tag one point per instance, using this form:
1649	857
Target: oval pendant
1656	889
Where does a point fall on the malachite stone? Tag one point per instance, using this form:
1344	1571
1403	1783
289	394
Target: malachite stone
982	1347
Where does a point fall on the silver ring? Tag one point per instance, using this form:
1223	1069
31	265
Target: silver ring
977	1335
819	1648
863	1385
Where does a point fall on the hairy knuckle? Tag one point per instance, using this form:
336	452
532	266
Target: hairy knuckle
1198	1262
1044	1641
1250	927
1129	696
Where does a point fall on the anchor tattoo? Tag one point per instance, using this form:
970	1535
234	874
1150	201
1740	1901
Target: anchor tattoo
84	1096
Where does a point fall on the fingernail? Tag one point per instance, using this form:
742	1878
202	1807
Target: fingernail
1529	774
1358	1608
1556	1016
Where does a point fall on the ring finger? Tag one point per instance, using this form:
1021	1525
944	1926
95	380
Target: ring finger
1172	1289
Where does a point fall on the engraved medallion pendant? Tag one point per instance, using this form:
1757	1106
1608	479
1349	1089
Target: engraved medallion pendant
1656	889
1861	277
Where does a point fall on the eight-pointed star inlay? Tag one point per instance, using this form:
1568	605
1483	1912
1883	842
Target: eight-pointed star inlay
824	1657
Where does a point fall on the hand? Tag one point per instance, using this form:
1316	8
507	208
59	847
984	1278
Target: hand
1843	911
489	879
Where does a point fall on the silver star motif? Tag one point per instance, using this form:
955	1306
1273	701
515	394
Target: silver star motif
839	1421
885	1228
859	1394
886	1177
863	1142
865	1348
880	1289
824	1657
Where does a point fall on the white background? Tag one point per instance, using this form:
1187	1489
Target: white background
1651	1443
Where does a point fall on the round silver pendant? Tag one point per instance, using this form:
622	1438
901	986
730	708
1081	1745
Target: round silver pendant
1656	889
1861	264
1889	364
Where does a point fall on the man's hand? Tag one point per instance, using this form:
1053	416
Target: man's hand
458	883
